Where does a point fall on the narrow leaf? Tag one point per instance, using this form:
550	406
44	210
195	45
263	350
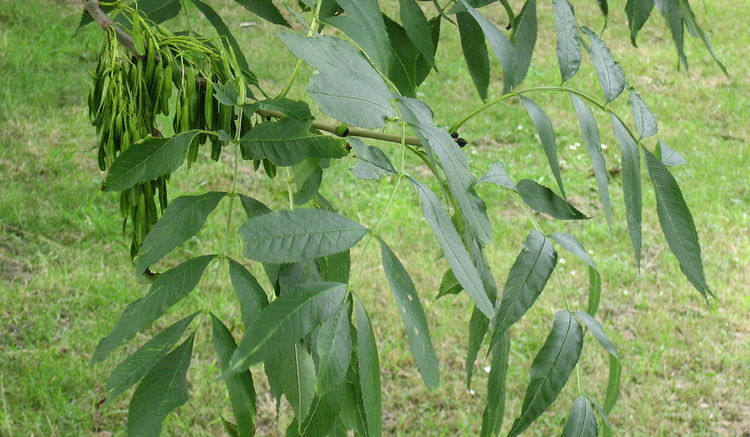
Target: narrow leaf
638	12
611	76
571	244
453	248
250	295
363	23
677	223
162	390
416	26
333	346
239	385
413	316
286	320
475	52
689	17
301	234
448	285
581	420
550	370
228	40
670	156
546	136
568	49
498	176
298	379
631	184
503	48
369	370
372	163
182	219
137	365
264	9
524	40
494	410
545	200
526	280
147	160
478	325
645	121
169	288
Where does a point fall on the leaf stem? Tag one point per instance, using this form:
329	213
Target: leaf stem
295	72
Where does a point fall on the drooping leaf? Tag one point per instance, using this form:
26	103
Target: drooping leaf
613	384
320	421
524	40
568	48
286	320
369	370
250	294
455	164
182	219
545	200
526	280
348	88
595	291
363	23
615	368
604	8
611	76
298	379
137	365
372	163
253	207
301	234
571	244
448	285
227	38
645	121
550	370
169	288
689	18
239	385
147	160
287	142
416	26
478	325
503	48
333	345
670	156
413	316
309	187
453	248
162	390
494	410
546	136
677	223
264	9
631	184
498	176
638	12
475	52
670	10
424	66
402	70
581	420
598	332
590	132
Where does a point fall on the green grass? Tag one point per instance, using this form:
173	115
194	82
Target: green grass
65	273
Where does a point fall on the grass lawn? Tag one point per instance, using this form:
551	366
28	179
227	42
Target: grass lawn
65	274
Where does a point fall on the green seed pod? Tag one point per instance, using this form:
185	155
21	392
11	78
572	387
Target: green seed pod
269	168
208	105
150	62
162	194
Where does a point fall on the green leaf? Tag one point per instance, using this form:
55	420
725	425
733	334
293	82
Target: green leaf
689	18
590	132
568	49
309	187
372	163
545	200
297	372
413	316
638	12
670	10
453	249
598	332
250	295
295	109
162	390
286	320
239	385
182	219
253	208
670	156
604	8
333	345
264	9
550	370
335	268
369	370
319	422
571	244
363	23
613	384
503	48
615	369
546	136
403	68
348	88
595	291
417	28
677	223
475	52
137	365
631	184
645	121
169	288
222	29
147	160
526	280
494	410
287	142
455	164
524	40
498	176
611	76
478	325
581	420
448	285
290	236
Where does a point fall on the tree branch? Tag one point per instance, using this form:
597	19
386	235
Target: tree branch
102	19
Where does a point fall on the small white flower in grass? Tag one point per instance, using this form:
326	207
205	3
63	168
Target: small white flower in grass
604	146
562	261
487	369
519	127
471	392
